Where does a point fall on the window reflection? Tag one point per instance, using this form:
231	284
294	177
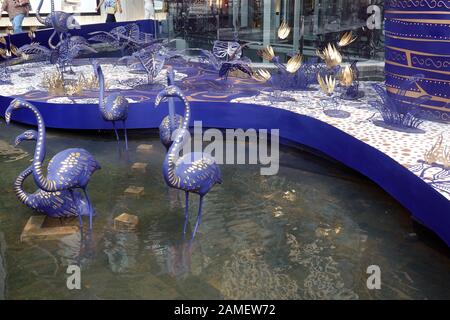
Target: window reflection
313	23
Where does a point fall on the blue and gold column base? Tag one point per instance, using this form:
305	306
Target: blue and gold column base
418	42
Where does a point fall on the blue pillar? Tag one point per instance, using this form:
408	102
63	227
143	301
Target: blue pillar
418	42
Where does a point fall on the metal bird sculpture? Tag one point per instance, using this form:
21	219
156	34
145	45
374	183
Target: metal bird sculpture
127	37
193	172
225	52
62	55
57	204
228	67
61	22
70	169
114	107
173	121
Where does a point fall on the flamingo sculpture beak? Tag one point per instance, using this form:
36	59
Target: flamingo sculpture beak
159	98
17	141
8	117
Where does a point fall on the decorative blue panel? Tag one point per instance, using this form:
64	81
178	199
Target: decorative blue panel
418	42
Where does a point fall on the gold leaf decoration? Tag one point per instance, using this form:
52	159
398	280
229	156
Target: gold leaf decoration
346	39
284	30
330	55
294	63
327	84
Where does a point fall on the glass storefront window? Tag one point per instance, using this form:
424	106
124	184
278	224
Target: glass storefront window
313	23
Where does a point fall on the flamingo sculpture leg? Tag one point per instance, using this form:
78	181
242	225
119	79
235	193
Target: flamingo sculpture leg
126	135
195	172
115	130
173	121
58	204
69	169
114	107
186	213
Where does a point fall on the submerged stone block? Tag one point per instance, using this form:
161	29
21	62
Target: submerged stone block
133	191
37	229
144	148
139	167
126	222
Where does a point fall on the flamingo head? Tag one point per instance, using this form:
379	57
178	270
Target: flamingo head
14	105
170	91
72	23
29	135
170	76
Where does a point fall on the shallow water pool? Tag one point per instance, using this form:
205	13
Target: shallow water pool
309	232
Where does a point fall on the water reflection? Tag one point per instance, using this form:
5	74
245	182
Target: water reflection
9	153
2	266
121	248
308	233
79	249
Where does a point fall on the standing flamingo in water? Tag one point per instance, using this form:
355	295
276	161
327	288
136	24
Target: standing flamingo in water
68	170
114	107
195	172
53	204
173	121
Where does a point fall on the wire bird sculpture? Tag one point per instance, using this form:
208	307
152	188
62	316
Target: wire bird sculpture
349	80
225	55
124	38
114	107
173	121
149	60
194	172
57	204
61	22
435	167
62	55
68	170
399	112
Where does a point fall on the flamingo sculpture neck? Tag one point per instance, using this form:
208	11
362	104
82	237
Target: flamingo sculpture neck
172	155
101	83
38	12
39	153
171	82
24	197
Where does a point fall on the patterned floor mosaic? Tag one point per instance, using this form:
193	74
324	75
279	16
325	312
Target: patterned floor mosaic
408	149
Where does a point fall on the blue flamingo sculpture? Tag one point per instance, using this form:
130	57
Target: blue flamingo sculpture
61	22
53	204
173	121
68	170
114	107
194	172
